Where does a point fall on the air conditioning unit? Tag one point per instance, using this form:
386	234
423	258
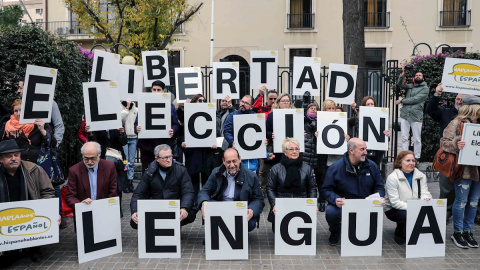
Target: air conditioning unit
62	30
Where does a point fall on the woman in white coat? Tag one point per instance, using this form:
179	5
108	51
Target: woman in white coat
405	183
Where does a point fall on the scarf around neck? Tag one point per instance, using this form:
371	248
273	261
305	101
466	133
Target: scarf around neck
293	176
14	128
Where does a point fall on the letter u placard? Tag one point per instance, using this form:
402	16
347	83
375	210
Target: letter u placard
362	224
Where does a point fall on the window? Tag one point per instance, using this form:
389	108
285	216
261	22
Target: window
455	13
299	53
39	10
374	57
301	15
376	14
39	20
454	49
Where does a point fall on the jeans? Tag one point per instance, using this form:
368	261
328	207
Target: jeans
464	208
130	150
333	215
416	131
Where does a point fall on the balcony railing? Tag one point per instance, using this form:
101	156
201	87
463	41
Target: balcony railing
455	18
63	28
377	19
301	21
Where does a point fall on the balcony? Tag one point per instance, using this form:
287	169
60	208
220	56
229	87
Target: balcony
301	21
66	28
377	19
455	18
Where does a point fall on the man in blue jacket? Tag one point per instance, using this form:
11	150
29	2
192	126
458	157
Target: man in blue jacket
352	177
233	182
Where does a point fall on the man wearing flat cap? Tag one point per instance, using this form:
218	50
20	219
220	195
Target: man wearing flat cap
21	181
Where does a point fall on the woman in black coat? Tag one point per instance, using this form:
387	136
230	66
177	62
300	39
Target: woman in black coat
291	178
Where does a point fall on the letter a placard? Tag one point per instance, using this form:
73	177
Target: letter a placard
98	229
362	228
226	230
296	226
159	229
306	75
342	80
426	228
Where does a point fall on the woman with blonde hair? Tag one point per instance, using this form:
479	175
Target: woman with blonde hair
467	187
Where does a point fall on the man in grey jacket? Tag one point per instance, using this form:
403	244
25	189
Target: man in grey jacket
411	115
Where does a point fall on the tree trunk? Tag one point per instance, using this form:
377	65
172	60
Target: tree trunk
354	41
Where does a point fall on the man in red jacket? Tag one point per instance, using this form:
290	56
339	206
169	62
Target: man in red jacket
258	105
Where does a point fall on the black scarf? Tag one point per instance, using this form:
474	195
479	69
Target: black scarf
165	169
293	178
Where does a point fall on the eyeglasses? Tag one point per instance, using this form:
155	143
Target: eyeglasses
285	101
166	157
244	102
201	100
273	98
90	158
293	149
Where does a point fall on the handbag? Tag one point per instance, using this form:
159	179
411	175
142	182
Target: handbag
67	211
447	163
47	159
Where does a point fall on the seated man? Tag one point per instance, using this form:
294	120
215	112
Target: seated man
352	177
233	182
91	179
168	180
21	181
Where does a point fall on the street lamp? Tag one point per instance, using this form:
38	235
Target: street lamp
423	43
449	48
128	59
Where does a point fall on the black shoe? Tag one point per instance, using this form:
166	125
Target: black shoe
131	186
321	206
458	240
63	223
477	219
333	239
468	237
126	190
399	237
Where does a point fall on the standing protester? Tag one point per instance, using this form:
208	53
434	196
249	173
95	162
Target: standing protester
177	152
146	146
467	188
411	115
82	134
226	108
444	116
266	108
129	114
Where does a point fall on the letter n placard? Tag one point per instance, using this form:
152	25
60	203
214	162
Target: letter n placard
159	229
226	230
296	226
362	224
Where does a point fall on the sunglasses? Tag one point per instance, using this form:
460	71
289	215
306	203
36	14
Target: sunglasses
201	100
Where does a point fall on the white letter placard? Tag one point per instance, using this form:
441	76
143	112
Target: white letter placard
226	231
188	83
296	226
200	125
426	228
105	66
154	115
331	127
249	135
155	67
225	80
159	229
362	228
285	125
461	76
98	229
373	121
264	69
30	223
130	82
341	83
306	75
470	154
102	105
37	97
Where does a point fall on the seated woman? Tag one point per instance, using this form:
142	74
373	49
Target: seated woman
405	183
29	137
291	178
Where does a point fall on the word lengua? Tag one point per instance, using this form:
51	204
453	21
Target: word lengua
188	83
342	80
39	88
249	133
362	228
102	105
159	229
154	115
98	229
306	75
105	66
225	80
226	230
155	67
200	125
373	121
284	127
331	127
263	69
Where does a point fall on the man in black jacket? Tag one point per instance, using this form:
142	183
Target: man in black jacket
444	116
165	179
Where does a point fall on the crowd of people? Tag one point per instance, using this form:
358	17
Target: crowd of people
173	170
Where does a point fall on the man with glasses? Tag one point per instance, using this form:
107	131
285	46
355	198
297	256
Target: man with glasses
226	108
258	106
91	179
165	179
